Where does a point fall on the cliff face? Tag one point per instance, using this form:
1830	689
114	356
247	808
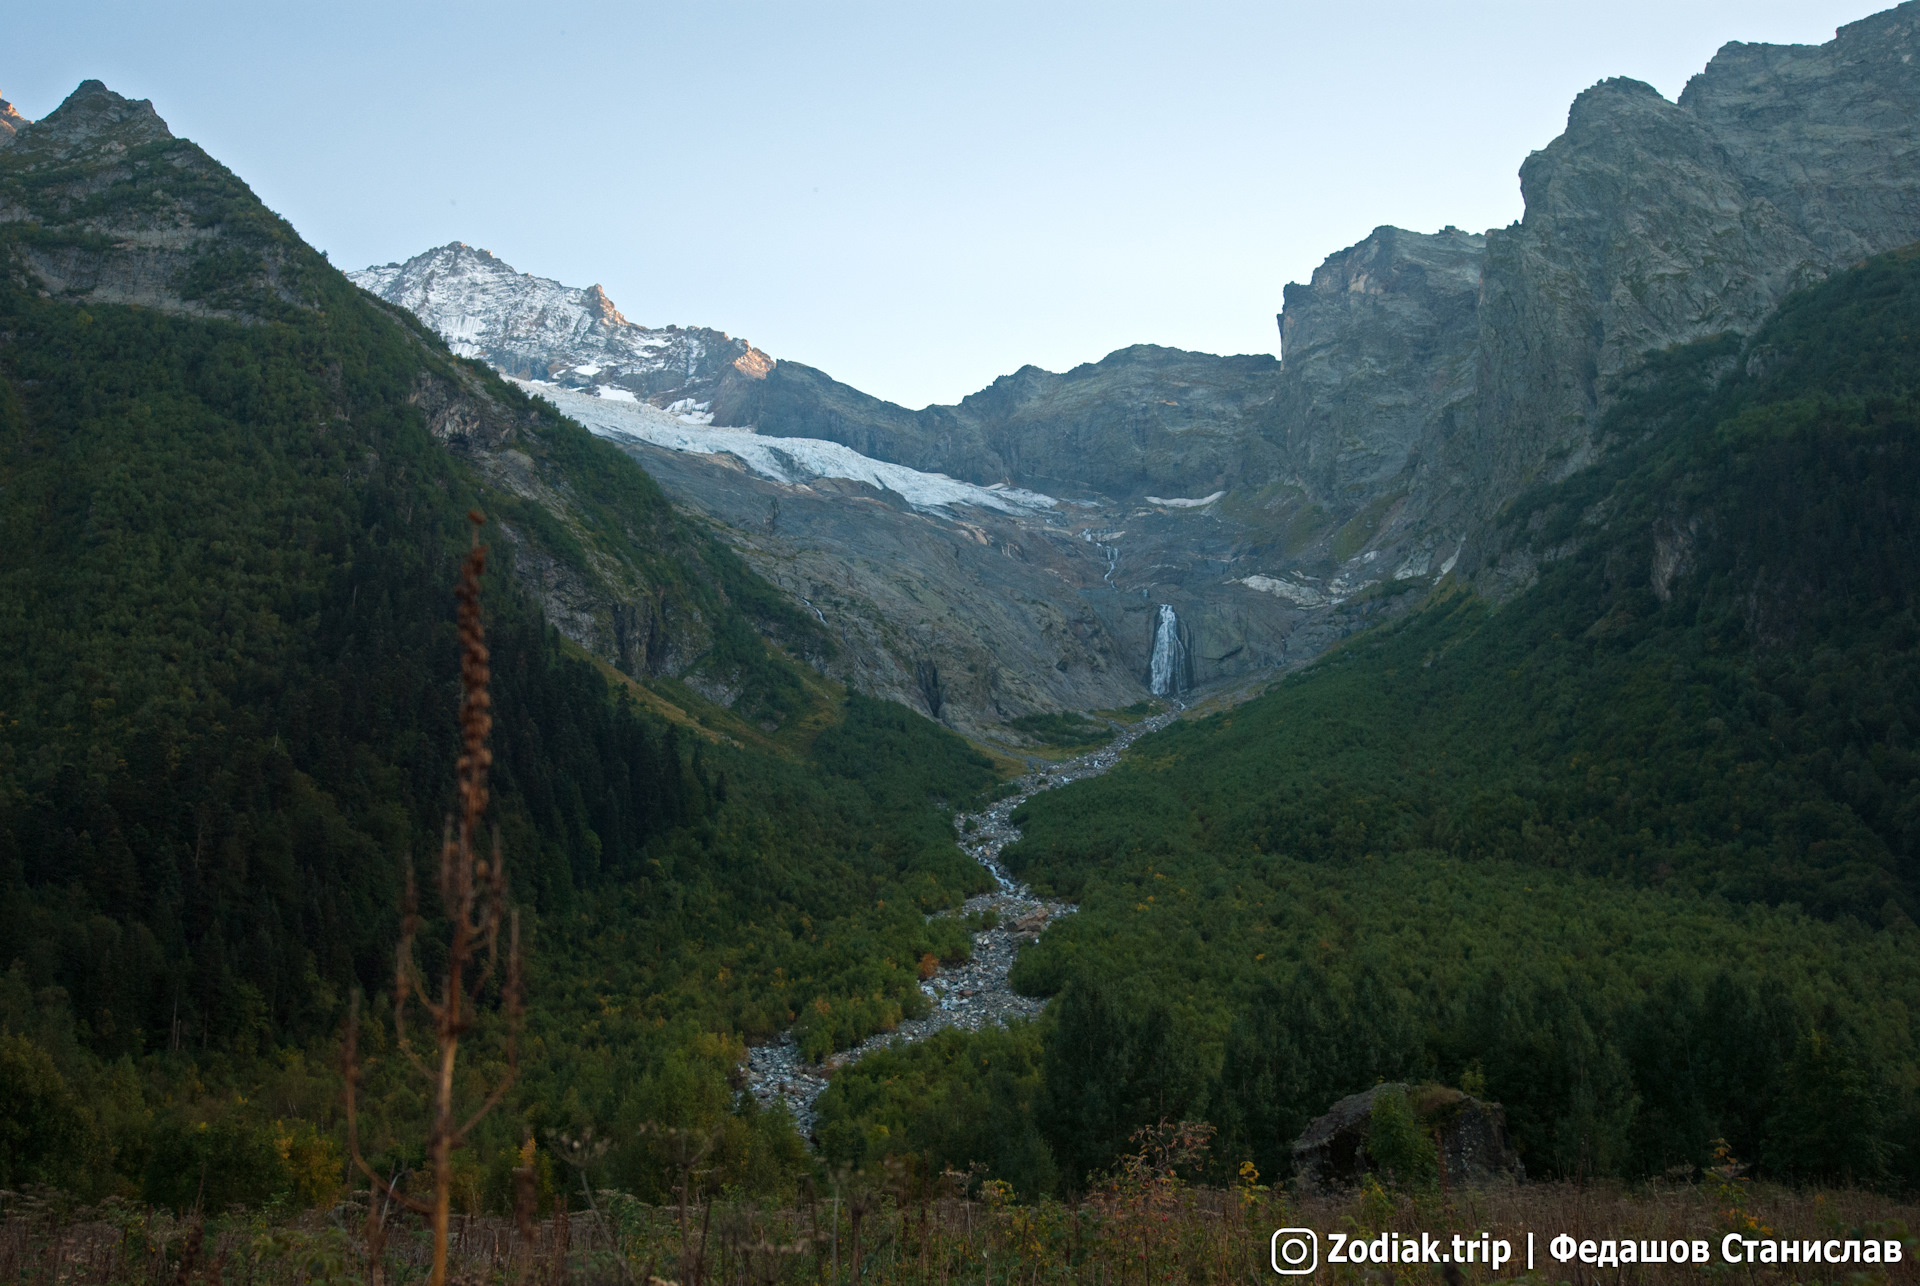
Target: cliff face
1433	378
1379	354
1141	421
1651	223
1824	133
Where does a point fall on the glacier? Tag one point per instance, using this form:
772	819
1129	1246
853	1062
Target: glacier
793	461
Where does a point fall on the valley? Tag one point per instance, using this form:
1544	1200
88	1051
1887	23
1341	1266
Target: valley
1510	687
976	993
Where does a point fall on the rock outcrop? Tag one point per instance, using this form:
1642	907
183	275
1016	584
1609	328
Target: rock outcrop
1471	1136
1430	379
1650	223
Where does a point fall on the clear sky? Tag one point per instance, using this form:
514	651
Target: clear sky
914	197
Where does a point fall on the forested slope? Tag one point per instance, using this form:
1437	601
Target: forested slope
1637	849
233	496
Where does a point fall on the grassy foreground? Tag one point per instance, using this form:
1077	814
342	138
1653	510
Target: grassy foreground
912	1229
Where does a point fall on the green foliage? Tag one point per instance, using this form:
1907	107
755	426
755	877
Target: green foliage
1302	1041
955	1098
1399	1145
1116	1059
227	688
213	1165
41	1125
1637	849
1069	731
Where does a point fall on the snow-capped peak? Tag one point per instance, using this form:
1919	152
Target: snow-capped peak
536	328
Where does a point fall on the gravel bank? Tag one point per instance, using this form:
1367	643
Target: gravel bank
971	995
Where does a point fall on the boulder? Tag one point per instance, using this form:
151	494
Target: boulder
1471	1137
1031	925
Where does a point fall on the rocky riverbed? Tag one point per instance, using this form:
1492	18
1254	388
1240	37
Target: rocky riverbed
970	995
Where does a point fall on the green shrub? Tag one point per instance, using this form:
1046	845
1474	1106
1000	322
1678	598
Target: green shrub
1399	1145
214	1165
42	1128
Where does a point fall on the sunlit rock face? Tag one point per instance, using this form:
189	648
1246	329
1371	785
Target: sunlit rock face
535	328
10	122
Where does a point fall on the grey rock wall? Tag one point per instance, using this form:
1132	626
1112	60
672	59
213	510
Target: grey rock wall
1142	421
1379	354
1436	377
1650	223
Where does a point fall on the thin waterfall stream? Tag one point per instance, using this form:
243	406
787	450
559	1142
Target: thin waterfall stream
970	995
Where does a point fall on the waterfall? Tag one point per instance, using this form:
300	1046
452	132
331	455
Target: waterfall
1167	673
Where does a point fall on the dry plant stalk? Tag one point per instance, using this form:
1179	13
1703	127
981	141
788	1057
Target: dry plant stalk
473	896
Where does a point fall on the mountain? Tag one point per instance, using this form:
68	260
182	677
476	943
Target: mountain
533	328
1647	224
234	492
1455	367
1049	432
970	600
1141	421
1611	818
1426	380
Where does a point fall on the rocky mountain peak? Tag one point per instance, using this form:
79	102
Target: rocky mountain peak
138	216
604	312
10	122
1426	380
536	328
93	118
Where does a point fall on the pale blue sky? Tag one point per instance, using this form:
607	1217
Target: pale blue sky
914	197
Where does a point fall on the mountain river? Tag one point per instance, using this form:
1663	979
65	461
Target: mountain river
971	995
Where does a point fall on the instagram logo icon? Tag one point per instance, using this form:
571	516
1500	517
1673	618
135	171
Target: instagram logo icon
1296	1251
